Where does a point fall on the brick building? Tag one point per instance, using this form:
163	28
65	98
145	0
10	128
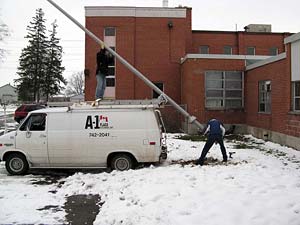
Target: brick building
244	78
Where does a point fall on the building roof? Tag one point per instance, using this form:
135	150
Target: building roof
8	85
267	61
293	38
234	32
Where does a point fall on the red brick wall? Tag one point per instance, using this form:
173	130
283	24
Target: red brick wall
292	120
280	96
293	125
216	40
149	45
193	88
125	47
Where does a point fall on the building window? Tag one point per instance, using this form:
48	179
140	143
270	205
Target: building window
204	49
264	96
224	89
109	31
296	96
160	86
109	38
250	50
227	50
273	51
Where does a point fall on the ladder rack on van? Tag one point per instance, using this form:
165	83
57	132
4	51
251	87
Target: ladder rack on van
117	104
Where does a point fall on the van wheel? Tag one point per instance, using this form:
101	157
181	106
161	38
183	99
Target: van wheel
121	162
16	164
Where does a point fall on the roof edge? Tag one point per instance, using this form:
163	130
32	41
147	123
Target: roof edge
293	38
266	61
222	56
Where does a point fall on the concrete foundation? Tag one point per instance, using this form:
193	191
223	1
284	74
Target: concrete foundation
267	135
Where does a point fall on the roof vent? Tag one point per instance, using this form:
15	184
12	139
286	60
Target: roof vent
165	3
266	28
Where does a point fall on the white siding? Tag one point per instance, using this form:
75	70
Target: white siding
295	60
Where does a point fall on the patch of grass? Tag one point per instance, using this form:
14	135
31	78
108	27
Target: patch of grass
192	137
242	146
236	137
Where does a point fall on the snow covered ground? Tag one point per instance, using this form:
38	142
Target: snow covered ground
259	186
10	109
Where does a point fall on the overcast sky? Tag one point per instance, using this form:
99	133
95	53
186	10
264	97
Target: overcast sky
207	15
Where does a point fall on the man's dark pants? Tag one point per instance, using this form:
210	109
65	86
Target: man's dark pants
211	140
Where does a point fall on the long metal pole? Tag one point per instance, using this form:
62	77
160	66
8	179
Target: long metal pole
192	119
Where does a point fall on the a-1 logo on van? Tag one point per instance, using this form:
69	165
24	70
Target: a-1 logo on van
97	122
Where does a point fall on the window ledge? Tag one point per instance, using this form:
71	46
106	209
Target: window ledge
224	109
297	113
265	113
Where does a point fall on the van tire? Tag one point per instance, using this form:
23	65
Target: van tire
16	164
121	162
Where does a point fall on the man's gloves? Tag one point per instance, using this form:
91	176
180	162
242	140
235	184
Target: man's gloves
102	46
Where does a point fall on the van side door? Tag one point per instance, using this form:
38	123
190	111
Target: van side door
31	138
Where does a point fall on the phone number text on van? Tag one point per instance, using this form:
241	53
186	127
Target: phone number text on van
98	135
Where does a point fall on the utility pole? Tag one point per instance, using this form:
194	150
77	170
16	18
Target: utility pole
191	119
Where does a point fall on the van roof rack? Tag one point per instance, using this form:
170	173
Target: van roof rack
111	103
114	104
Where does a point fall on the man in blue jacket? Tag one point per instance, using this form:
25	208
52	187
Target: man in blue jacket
215	132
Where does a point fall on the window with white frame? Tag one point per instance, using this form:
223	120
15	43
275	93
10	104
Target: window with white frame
204	49
264	100
224	89
273	51
110	39
227	50
296	96
250	50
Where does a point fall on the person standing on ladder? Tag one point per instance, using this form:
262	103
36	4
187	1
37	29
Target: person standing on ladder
104	58
216	132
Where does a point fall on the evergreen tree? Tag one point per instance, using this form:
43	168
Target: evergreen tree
33	59
53	76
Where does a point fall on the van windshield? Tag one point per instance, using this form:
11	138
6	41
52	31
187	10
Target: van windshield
160	121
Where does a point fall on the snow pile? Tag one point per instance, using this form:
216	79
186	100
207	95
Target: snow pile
259	186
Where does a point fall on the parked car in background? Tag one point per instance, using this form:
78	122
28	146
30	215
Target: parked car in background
22	111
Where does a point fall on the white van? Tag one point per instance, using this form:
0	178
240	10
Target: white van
116	136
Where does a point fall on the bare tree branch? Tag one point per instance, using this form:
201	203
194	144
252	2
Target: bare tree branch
75	84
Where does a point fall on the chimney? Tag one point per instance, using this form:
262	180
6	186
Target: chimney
165	3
